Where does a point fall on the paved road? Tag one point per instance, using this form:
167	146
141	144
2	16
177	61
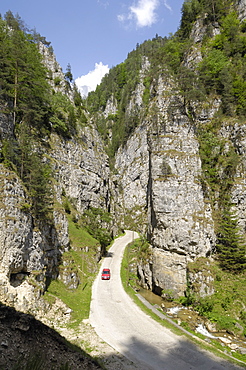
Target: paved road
122	324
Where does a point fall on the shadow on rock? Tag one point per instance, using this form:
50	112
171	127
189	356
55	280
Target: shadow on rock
26	343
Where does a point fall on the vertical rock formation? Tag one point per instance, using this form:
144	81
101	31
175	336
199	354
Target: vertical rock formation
29	253
160	170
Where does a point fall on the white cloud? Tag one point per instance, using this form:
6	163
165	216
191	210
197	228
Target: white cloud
89	82
167	6
144	13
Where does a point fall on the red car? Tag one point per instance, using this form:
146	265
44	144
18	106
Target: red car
105	274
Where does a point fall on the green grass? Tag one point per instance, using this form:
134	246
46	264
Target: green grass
226	307
81	260
80	237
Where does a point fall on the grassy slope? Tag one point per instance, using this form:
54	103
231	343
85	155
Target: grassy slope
80	259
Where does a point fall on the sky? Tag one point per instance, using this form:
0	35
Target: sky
95	35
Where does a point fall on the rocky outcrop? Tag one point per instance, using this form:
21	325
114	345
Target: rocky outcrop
29	253
56	76
6	122
159	171
81	169
28	343
241	9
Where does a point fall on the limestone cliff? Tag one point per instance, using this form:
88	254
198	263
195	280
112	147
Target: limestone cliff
159	169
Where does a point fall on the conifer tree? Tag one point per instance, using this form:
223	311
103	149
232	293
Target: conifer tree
230	246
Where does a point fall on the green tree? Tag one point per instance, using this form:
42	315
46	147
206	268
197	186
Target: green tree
38	182
63	118
190	86
230	245
190	10
97	222
22	76
68	74
210	68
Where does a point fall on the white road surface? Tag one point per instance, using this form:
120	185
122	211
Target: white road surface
126	328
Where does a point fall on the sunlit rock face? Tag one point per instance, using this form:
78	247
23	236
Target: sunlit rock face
159	170
81	169
29	253
242	9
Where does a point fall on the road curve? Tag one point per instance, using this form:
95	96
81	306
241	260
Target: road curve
122	324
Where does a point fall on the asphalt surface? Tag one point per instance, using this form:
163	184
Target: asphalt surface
126	328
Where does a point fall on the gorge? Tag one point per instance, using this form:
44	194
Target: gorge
158	148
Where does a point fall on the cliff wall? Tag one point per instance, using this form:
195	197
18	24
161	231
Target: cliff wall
159	169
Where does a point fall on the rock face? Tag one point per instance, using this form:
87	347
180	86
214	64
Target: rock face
29	254
81	170
242	9
159	169
55	73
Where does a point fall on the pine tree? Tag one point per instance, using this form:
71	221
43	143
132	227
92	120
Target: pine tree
230	246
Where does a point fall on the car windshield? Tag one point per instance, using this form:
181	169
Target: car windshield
105	271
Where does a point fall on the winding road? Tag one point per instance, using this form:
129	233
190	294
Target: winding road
126	328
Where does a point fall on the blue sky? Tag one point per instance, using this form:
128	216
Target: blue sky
94	35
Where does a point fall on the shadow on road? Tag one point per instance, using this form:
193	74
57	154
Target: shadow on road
109	254
184	356
22	337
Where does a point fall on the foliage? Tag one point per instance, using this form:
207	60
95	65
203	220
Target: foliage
82	255
33	170
190	11
230	245
137	252
165	168
63	118
226	306
128	267
221	69
23	78
219	164
212	10
211	67
143	250
97	222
